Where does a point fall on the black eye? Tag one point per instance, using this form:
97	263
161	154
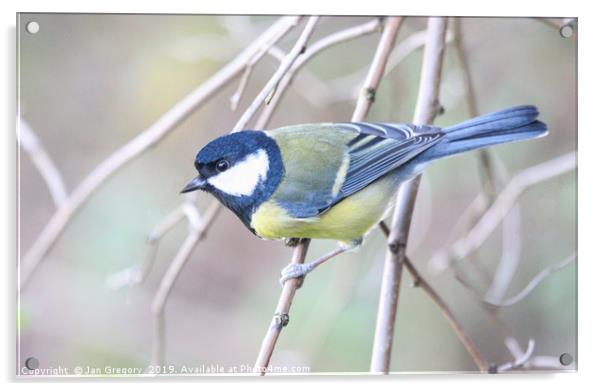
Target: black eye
222	165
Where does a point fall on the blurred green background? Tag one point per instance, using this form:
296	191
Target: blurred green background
90	83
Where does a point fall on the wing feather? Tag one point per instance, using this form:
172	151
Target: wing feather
313	185
381	148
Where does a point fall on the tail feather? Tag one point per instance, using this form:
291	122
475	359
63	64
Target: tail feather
513	124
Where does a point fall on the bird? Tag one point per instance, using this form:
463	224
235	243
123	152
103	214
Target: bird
336	180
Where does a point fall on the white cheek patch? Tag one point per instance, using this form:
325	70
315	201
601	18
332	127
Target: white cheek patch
242	178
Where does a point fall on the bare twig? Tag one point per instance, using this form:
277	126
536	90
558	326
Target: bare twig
339	87
309	87
313	50
503	203
196	233
511	255
197	228
267	46
426	108
137	274
377	68
281	316
546	362
339	292
43	163
535	281
471	103
492	179
468	343
272	84
149	137
521	357
420	281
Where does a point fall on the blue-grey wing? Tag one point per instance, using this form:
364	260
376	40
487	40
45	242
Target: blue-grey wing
381	148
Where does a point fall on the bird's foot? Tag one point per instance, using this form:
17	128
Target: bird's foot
292	242
295	270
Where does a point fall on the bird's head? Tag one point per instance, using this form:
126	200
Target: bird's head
241	169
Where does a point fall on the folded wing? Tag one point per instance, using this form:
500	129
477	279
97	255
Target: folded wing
328	162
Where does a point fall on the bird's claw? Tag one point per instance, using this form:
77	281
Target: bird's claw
294	270
292	242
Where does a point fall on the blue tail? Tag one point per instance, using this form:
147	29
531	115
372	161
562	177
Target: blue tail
505	126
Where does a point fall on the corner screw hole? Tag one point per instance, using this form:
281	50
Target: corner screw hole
32	27
566	359
32	363
567	30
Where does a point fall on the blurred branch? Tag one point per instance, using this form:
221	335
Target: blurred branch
313	50
521	357
281	317
43	163
426	108
196	233
535	281
149	137
271	86
546	362
340	292
266	46
492	179
471	102
310	87
339	87
197	228
501	206
137	274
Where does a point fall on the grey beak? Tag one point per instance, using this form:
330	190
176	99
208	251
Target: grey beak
193	185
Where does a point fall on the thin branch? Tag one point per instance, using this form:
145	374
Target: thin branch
196	233
43	163
546	362
149	137
340	292
137	274
367	95
197	229
310	87
511	255
270	88
535	281
521	357
492	179
471	103
339	87
471	348
503	203
281	317
313	50
426	108
420	282
266	47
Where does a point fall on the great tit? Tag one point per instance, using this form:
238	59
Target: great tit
336	180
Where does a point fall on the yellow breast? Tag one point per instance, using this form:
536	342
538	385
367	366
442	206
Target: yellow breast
346	221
